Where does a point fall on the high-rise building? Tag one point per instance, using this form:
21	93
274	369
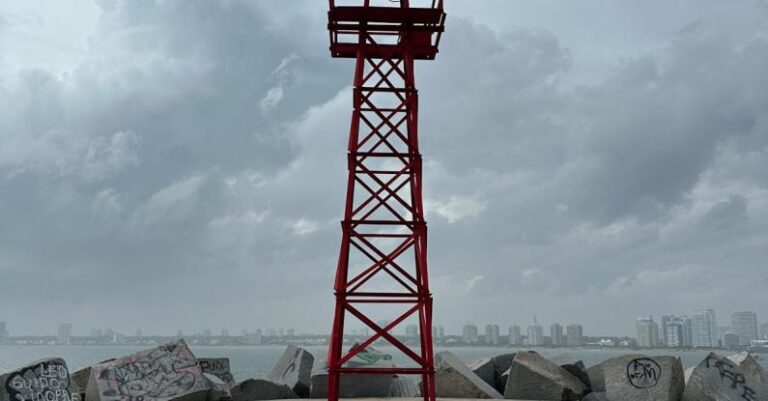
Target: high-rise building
438	333
257	337
535	334
663	336
411	330
290	332
469	334
556	332
492	334
64	334
575	335
647	332
515	335
763	331
677	331
139	333
744	325
730	340
704	329
180	334
3	332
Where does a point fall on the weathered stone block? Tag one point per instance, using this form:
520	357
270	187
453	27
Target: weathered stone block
168	372
640	378
719	379
405	386
579	370
485	369
596	378
295	370
353	386
218	367
532	377
260	389
752	369
44	380
454	379
220	390
595	397
502	363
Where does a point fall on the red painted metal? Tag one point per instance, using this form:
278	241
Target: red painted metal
384	215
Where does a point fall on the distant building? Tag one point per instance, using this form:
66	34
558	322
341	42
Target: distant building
290	332
64	334
469	334
744	325
704	329
3	332
515	335
556	332
677	331
575	335
647	332
438	333
492	334
535	335
763	331
411	330
731	340
139	333
257	337
664	336
180	334
206	333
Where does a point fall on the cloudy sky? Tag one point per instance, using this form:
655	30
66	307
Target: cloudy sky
180	164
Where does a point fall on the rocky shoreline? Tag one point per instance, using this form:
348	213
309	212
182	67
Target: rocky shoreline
172	373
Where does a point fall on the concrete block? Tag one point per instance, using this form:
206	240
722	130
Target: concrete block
294	369
454	379
44	380
532	377
260	389
218	367
718	378
640	378
168	372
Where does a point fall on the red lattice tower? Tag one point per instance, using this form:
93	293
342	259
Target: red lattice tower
384	232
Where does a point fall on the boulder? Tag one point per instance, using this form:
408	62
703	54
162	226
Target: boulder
353	386
260	389
752	369
501	364
453	379
688	373
719	379
596	378
595	397
485	369
503	379
640	378
220	390
579	370
44	380
405	386
532	377
78	382
218	367
167	372
294	369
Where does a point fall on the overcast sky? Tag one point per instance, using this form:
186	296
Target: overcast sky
180	164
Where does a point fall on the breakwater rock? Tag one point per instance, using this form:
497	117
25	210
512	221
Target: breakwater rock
171	372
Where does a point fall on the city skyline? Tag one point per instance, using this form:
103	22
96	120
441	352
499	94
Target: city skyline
669	330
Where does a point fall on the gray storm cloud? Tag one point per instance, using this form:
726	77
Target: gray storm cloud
188	172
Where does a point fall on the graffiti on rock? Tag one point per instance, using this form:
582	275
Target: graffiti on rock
165	372
46	381
643	372
728	372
